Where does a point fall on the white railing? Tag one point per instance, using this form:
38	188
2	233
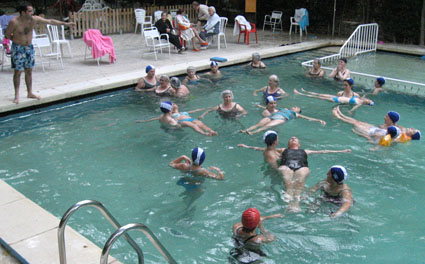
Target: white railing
365	39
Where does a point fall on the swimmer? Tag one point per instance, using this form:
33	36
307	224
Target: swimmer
247	241
271	153
273	89
348	89
335	190
294	170
337	99
227	109
149	82
180	89
316	70
194	166
172	117
340	72
256	61
191	78
277	117
380	81
164	88
392	118
214	73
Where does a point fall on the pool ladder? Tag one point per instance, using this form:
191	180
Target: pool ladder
120	230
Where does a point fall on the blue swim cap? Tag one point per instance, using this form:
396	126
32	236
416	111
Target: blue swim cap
269	99
166	106
270	137
149	67
380	80
214	63
416	136
350	81
393	131
339	173
198	156
394	116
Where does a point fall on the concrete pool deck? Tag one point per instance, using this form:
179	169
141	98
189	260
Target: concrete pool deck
30	229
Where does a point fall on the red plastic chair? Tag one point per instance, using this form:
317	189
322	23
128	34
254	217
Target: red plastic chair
243	30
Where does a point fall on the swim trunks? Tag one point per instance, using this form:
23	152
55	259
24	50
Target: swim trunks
22	57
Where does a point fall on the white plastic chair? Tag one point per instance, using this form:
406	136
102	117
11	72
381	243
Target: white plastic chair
142	19
42	42
154	42
297	18
2	50
273	20
86	7
157	15
222	32
57	39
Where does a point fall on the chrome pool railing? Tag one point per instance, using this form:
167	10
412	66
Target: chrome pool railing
145	230
105	213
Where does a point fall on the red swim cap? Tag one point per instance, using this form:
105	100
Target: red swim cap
250	218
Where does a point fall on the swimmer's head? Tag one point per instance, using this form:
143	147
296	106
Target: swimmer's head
344	60
380	81
270	137
150	68
227	92
256	56
393	131
416	136
191	69
368	102
296	109
317	62
270	98
166	106
293	142
175	82
164	79
349	81
274	79
250	218
338	174
213	64
393	116
198	156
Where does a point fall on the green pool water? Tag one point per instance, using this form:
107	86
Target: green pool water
93	149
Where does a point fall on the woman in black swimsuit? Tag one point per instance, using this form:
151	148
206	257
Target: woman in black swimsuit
247	241
164	88
228	109
316	71
256	61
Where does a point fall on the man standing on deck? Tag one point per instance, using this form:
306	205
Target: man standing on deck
20	31
202	12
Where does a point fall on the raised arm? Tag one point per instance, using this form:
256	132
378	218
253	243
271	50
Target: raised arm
251	147
348	201
259	90
333	73
41	20
325	151
271	216
208	111
178	163
312	119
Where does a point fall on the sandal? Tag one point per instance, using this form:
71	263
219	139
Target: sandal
195	49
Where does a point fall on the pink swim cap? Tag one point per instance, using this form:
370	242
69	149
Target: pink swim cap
250	218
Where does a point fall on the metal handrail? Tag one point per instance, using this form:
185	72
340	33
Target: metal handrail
106	214
144	229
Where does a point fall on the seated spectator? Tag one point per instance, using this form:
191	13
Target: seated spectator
212	27
164	27
187	30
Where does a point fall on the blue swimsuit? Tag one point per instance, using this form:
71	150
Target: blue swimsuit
351	102
176	115
283	114
275	94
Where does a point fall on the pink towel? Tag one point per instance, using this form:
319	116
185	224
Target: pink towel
99	44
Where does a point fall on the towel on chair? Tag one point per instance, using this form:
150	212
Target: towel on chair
301	17
242	21
100	45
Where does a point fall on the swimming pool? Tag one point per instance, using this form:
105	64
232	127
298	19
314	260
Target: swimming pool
95	150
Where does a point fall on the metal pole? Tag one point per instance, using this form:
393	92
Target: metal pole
333	23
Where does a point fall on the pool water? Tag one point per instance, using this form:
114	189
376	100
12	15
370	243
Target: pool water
93	149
